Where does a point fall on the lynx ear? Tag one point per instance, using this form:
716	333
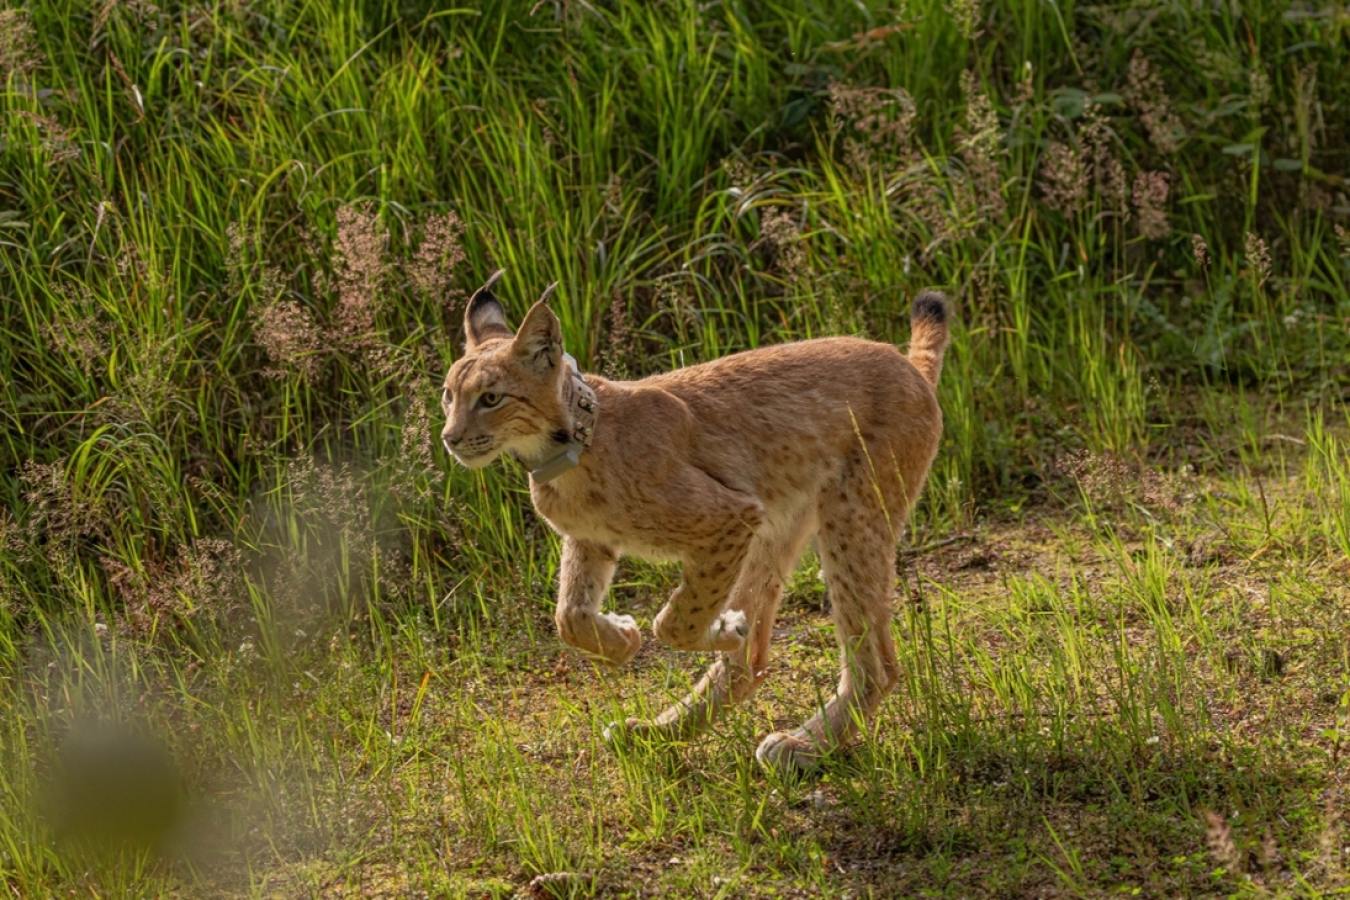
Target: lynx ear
484	317
539	340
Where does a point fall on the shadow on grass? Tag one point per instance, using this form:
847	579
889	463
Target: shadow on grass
1001	813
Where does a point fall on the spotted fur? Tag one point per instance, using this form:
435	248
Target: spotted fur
730	467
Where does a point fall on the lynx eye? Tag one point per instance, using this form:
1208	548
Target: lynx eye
489	400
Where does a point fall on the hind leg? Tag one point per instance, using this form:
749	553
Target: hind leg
733	676
857	550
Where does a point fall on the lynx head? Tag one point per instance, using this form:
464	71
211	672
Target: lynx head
505	393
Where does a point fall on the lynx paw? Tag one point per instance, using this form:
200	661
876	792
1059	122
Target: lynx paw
617	733
628	639
728	631
788	753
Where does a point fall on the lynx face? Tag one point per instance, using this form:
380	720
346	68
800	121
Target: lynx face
504	394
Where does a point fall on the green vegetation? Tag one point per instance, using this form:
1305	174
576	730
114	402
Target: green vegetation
257	636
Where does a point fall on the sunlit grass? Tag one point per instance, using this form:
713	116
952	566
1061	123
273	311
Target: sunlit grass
225	307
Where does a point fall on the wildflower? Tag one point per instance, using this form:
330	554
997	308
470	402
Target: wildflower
438	254
980	144
614	194
1108	175
871	119
141	14
1063	178
1258	257
411	482
236	257
416	435
1150	202
1148	96
1219	837
966	15
332	497
359	274
290	337
1111	183
1107	479
1103	478
925	203
81	338
784	236
1258	87
284	328
1200	250
738	172
57	513
18	45
16	542
204	575
979	114
621	351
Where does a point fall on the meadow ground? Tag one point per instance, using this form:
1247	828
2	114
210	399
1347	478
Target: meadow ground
259	637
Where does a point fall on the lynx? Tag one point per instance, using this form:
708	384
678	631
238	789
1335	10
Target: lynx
730	467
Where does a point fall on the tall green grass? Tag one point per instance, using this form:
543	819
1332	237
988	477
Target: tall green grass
235	242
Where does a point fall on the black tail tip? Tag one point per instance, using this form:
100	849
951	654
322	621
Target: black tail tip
930	306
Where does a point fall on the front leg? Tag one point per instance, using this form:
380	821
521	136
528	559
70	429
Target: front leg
586	571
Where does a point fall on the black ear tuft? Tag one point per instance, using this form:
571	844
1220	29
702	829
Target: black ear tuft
930	306
484	317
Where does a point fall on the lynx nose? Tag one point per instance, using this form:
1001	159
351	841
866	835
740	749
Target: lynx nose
450	440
